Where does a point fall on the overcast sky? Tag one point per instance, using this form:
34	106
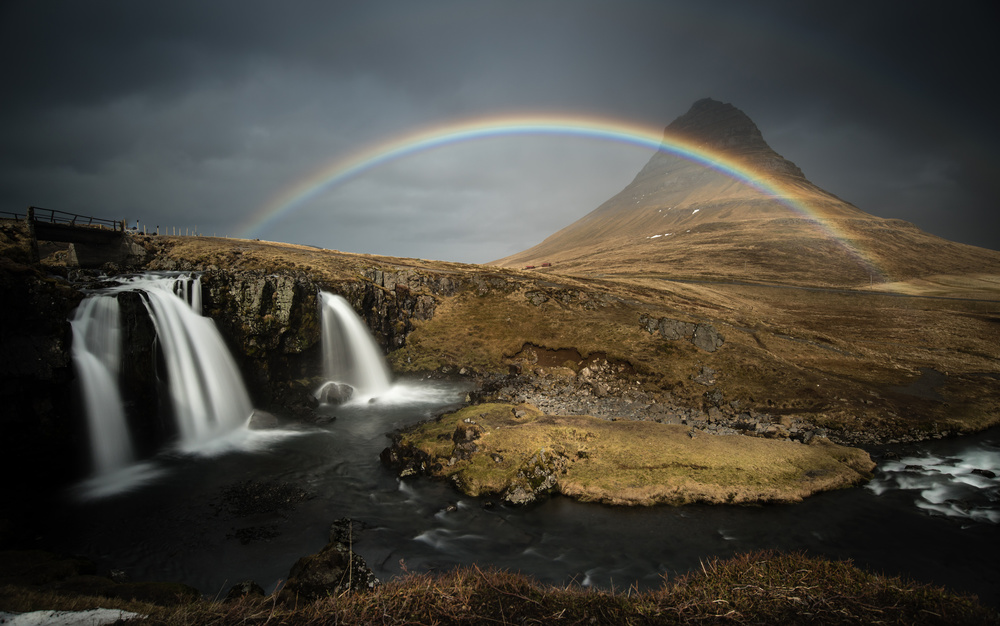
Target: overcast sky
200	114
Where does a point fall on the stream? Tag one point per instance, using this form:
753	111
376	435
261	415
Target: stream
925	515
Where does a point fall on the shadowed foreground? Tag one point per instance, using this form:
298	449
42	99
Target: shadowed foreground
754	588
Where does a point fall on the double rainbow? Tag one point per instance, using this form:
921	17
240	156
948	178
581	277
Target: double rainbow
335	173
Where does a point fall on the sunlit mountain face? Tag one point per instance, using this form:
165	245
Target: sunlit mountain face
717	202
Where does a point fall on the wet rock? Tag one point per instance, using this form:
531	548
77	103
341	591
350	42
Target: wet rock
252	497
538	475
331	571
346	530
406	460
262	420
984	473
250	534
243	589
335	393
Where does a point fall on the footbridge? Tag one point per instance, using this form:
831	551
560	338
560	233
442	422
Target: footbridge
94	240
52	225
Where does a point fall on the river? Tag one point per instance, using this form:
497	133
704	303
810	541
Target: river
182	525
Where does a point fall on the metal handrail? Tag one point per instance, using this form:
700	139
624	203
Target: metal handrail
62	217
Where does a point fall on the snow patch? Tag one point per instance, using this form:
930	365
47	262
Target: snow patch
695	211
93	617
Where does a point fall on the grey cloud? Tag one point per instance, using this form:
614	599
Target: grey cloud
189	110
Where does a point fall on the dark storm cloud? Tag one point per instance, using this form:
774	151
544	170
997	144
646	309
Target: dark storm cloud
200	114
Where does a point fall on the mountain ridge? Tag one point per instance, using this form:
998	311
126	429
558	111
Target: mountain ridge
685	219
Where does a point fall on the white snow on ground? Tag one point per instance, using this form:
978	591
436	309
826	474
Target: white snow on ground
663	235
695	211
93	617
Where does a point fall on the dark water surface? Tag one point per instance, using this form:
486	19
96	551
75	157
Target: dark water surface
180	526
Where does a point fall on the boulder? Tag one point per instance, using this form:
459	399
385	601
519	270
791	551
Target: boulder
262	420
243	589
703	336
706	338
333	570
335	393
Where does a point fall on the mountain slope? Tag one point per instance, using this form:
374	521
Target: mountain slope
684	219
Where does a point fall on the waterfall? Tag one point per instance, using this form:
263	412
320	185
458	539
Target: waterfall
204	387
206	390
350	354
97	356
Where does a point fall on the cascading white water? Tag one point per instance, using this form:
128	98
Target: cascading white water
206	392
350	354
97	356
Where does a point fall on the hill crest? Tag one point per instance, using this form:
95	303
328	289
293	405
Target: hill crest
683	219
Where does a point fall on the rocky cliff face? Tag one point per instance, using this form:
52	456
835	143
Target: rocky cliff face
36	378
272	322
269	320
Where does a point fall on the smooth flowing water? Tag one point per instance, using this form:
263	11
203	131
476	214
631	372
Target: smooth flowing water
97	350
183	526
204	390
350	355
250	503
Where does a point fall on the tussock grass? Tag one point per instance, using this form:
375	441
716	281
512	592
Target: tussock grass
754	588
626	462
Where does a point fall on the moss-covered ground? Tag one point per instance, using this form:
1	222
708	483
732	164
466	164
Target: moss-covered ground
496	448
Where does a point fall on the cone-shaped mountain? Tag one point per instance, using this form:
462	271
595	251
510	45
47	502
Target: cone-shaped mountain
681	218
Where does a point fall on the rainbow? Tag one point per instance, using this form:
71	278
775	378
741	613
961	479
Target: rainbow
337	172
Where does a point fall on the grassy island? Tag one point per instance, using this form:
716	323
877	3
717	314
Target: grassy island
518	452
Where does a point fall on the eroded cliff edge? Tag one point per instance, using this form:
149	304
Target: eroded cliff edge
716	359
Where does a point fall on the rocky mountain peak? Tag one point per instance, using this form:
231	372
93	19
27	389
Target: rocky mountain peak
720	127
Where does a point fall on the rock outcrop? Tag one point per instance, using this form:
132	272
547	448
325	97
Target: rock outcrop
272	322
703	336
36	379
333	570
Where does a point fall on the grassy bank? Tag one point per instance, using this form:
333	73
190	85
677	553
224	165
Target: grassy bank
757	588
499	449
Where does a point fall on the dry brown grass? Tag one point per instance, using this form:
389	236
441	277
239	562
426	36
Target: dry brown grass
755	588
833	358
628	462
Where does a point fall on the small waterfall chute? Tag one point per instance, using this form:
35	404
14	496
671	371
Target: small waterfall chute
96	329
350	355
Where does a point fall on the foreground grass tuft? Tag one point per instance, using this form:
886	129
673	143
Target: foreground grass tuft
754	588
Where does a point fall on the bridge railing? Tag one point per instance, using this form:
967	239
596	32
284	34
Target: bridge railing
53	216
